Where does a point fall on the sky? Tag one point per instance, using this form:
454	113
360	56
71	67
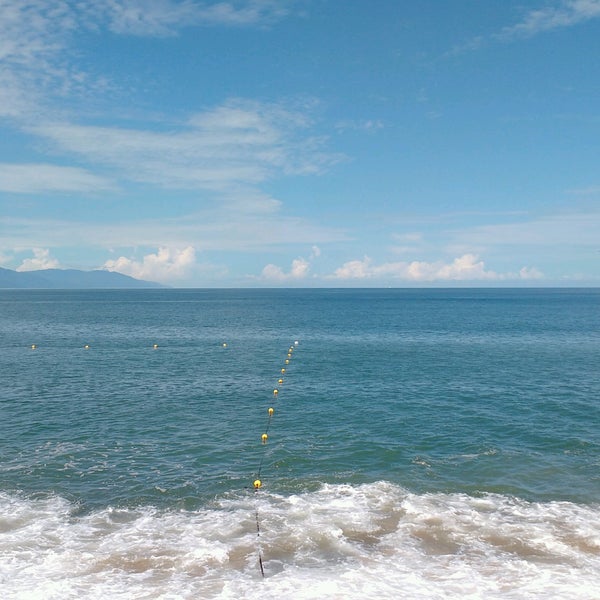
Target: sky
303	143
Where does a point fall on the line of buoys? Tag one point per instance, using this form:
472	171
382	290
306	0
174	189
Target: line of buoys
87	346
257	484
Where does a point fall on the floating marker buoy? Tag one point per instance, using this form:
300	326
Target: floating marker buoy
33	346
296	343
280	381
224	345
289	355
155	346
86	347
257	483
264	437
275	392
287	361
282	371
271	411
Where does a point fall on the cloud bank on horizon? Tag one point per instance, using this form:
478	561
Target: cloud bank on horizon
300	142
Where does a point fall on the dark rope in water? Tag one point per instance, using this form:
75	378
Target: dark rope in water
257	481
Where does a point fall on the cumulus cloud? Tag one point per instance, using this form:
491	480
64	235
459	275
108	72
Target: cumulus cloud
167	264
300	268
467	267
41	260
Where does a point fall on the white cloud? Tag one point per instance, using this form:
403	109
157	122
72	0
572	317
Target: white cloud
575	229
41	260
165	17
300	268
463	268
32	36
368	125
35	36
408	243
568	13
530	273
592	190
222	228
167	264
240	143
355	269
36	178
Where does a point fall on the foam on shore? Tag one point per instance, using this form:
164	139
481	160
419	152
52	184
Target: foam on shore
369	541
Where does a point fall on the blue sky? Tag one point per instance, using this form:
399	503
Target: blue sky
303	143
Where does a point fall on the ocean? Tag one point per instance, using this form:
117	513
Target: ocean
423	443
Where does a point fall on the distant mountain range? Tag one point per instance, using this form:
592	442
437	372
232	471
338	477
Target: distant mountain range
70	279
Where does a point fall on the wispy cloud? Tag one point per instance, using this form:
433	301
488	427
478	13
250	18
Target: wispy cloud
368	125
563	14
166	17
36	34
33	35
557	15
573	229
241	142
213	229
592	190
229	149
36	178
407	243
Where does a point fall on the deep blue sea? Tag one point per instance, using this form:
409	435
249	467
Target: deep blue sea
439	443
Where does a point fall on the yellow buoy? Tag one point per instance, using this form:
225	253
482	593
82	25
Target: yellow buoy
33	346
280	381
155	346
275	392
86	347
264	437
271	411
289	355
282	371
224	344
287	361
257	483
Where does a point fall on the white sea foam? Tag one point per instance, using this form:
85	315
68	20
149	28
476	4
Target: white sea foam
369	541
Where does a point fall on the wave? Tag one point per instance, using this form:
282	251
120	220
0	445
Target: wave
340	541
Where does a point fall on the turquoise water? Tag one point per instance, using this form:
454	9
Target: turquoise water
455	432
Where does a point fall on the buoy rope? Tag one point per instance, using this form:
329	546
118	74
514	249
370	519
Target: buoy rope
264	439
257	485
